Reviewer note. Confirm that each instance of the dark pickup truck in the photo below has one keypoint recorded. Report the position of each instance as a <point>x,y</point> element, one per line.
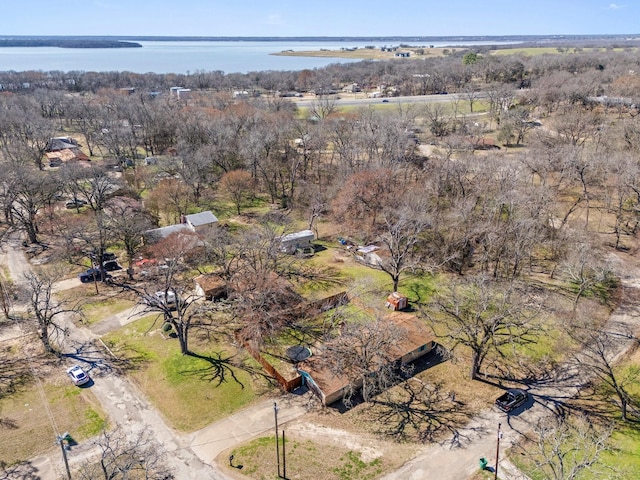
<point>511,399</point>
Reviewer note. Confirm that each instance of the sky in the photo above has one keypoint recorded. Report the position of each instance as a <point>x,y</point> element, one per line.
<point>286,18</point>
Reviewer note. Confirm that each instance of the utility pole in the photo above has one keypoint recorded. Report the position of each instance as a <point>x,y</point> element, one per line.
<point>284,458</point>
<point>495,476</point>
<point>275,411</point>
<point>60,440</point>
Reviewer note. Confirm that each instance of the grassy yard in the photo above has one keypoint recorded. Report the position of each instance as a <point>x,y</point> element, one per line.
<point>191,392</point>
<point>621,458</point>
<point>103,308</point>
<point>26,427</point>
<point>308,460</point>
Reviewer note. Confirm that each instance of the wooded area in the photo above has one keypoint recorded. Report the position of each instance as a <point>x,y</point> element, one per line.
<point>514,199</point>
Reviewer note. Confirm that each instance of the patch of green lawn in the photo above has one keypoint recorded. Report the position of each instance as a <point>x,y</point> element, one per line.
<point>621,458</point>
<point>190,391</point>
<point>307,459</point>
<point>29,430</point>
<point>103,308</point>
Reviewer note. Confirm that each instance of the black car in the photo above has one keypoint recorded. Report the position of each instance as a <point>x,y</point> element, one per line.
<point>106,256</point>
<point>75,203</point>
<point>94,274</point>
<point>511,399</point>
<point>111,265</point>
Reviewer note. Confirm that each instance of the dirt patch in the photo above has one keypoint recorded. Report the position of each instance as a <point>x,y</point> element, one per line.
<point>324,434</point>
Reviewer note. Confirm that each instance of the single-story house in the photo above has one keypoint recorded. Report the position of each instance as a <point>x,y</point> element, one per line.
<point>299,240</point>
<point>332,387</point>
<point>201,223</point>
<point>156,234</point>
<point>60,143</point>
<point>66,155</point>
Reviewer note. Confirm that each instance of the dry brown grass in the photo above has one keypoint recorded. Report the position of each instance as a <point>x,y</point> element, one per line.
<point>32,414</point>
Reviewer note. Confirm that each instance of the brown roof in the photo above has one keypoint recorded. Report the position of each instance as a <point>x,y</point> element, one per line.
<point>416,336</point>
<point>417,333</point>
<point>67,155</point>
<point>210,283</point>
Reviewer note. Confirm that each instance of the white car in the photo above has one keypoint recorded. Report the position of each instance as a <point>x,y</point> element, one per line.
<point>77,375</point>
<point>160,298</point>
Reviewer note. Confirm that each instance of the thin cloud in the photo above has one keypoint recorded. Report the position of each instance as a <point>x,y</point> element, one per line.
<point>615,6</point>
<point>274,19</point>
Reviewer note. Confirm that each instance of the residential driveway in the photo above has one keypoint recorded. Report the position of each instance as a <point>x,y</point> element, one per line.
<point>242,426</point>
<point>120,319</point>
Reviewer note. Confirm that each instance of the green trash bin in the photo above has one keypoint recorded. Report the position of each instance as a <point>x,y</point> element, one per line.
<point>483,463</point>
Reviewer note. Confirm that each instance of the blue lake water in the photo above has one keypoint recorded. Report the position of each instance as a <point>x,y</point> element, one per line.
<point>176,57</point>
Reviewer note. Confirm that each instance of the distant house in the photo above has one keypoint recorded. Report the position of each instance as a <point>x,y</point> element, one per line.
<point>292,242</point>
<point>66,155</point>
<point>332,387</point>
<point>202,223</point>
<point>61,143</point>
<point>183,93</point>
<point>369,255</point>
<point>156,234</point>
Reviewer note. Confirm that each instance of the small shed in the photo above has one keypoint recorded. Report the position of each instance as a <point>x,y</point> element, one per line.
<point>397,301</point>
<point>299,240</point>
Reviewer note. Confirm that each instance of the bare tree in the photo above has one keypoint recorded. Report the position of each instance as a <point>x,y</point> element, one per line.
<point>238,184</point>
<point>126,456</point>
<point>365,351</point>
<point>597,358</point>
<point>29,192</point>
<point>586,270</point>
<point>566,446</point>
<point>401,234</point>
<point>484,316</point>
<point>323,106</point>
<point>45,309</point>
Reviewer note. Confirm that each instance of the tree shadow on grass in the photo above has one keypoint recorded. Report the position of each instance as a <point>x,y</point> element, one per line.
<point>222,369</point>
<point>97,361</point>
<point>421,411</point>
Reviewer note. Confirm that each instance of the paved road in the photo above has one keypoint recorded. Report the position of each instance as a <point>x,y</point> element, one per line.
<point>119,397</point>
<point>455,458</point>
<point>354,102</point>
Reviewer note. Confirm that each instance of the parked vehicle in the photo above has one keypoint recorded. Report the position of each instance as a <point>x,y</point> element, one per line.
<point>160,298</point>
<point>94,274</point>
<point>75,203</point>
<point>111,265</point>
<point>78,375</point>
<point>511,399</point>
<point>106,256</point>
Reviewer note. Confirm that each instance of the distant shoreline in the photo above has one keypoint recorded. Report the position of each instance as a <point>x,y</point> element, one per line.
<point>63,42</point>
<point>385,38</point>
